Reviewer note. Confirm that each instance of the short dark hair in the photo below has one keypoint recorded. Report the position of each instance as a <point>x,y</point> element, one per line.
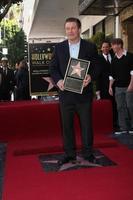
<point>117,41</point>
<point>106,41</point>
<point>24,63</point>
<point>74,19</point>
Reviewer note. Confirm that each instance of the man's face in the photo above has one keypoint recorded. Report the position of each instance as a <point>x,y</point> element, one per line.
<point>20,65</point>
<point>72,31</point>
<point>105,48</point>
<point>4,63</point>
<point>116,47</point>
<point>17,66</point>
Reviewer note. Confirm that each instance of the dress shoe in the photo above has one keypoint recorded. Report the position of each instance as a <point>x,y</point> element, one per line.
<point>131,131</point>
<point>67,160</point>
<point>91,158</point>
<point>121,132</point>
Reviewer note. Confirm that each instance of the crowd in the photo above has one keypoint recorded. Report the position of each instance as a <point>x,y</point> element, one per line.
<point>14,82</point>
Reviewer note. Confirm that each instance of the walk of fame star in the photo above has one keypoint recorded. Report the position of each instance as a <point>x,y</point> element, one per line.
<point>77,69</point>
<point>79,163</point>
<point>50,162</point>
<point>51,85</point>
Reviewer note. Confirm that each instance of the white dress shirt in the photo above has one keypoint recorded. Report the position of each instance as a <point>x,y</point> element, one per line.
<point>107,57</point>
<point>74,50</point>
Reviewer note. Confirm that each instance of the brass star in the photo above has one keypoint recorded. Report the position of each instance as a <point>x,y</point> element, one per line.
<point>51,85</point>
<point>77,69</point>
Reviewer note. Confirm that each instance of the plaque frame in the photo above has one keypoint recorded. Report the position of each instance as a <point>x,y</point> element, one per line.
<point>71,78</point>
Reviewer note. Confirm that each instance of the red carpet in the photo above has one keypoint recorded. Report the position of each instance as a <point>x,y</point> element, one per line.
<point>25,179</point>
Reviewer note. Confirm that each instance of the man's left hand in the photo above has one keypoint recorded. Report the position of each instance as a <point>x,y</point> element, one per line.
<point>87,80</point>
<point>130,88</point>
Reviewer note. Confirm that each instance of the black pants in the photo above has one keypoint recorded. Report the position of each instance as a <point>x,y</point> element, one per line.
<point>84,111</point>
<point>5,96</point>
<point>114,108</point>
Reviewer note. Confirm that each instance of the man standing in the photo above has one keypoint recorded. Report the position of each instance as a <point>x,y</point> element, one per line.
<point>70,102</point>
<point>7,81</point>
<point>122,76</point>
<point>22,82</point>
<point>102,83</point>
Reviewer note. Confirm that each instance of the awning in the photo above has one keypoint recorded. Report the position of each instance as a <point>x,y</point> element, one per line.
<point>102,7</point>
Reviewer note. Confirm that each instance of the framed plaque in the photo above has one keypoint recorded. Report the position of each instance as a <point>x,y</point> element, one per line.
<point>75,74</point>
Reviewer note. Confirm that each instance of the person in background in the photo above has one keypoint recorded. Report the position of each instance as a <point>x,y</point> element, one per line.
<point>6,81</point>
<point>1,75</point>
<point>122,76</point>
<point>15,79</point>
<point>102,83</point>
<point>16,67</point>
<point>22,81</point>
<point>0,64</point>
<point>70,102</point>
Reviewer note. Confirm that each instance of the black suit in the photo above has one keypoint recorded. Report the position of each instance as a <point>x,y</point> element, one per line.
<point>22,83</point>
<point>59,63</point>
<point>71,102</point>
<point>7,84</point>
<point>102,83</point>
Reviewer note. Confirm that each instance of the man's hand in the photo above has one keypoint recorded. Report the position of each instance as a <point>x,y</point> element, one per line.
<point>111,82</point>
<point>87,80</point>
<point>10,92</point>
<point>111,91</point>
<point>98,95</point>
<point>60,85</point>
<point>130,88</point>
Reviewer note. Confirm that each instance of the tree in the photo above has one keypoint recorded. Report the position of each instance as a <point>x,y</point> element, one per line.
<point>16,47</point>
<point>5,5</point>
<point>98,38</point>
<point>13,38</point>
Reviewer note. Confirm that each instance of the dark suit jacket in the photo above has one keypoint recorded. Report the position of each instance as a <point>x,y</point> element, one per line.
<point>59,64</point>
<point>102,82</point>
<point>7,84</point>
<point>22,83</point>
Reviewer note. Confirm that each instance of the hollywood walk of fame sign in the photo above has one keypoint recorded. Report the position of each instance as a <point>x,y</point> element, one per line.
<point>75,74</point>
<point>40,55</point>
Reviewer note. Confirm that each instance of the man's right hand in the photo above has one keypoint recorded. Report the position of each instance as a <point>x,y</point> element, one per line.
<point>98,95</point>
<point>60,85</point>
<point>111,91</point>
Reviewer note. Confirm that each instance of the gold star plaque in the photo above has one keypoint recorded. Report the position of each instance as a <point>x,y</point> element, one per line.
<point>76,72</point>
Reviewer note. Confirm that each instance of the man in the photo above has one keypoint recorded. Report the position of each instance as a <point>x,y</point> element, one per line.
<point>70,102</point>
<point>122,76</point>
<point>22,82</point>
<point>102,83</point>
<point>7,81</point>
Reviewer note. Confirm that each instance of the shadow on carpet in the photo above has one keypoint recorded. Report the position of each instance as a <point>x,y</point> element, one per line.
<point>50,162</point>
<point>125,139</point>
<point>2,164</point>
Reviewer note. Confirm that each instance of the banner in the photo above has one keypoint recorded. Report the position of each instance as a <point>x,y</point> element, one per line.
<point>40,55</point>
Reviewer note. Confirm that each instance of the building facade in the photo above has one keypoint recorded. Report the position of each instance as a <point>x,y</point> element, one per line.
<point>118,21</point>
